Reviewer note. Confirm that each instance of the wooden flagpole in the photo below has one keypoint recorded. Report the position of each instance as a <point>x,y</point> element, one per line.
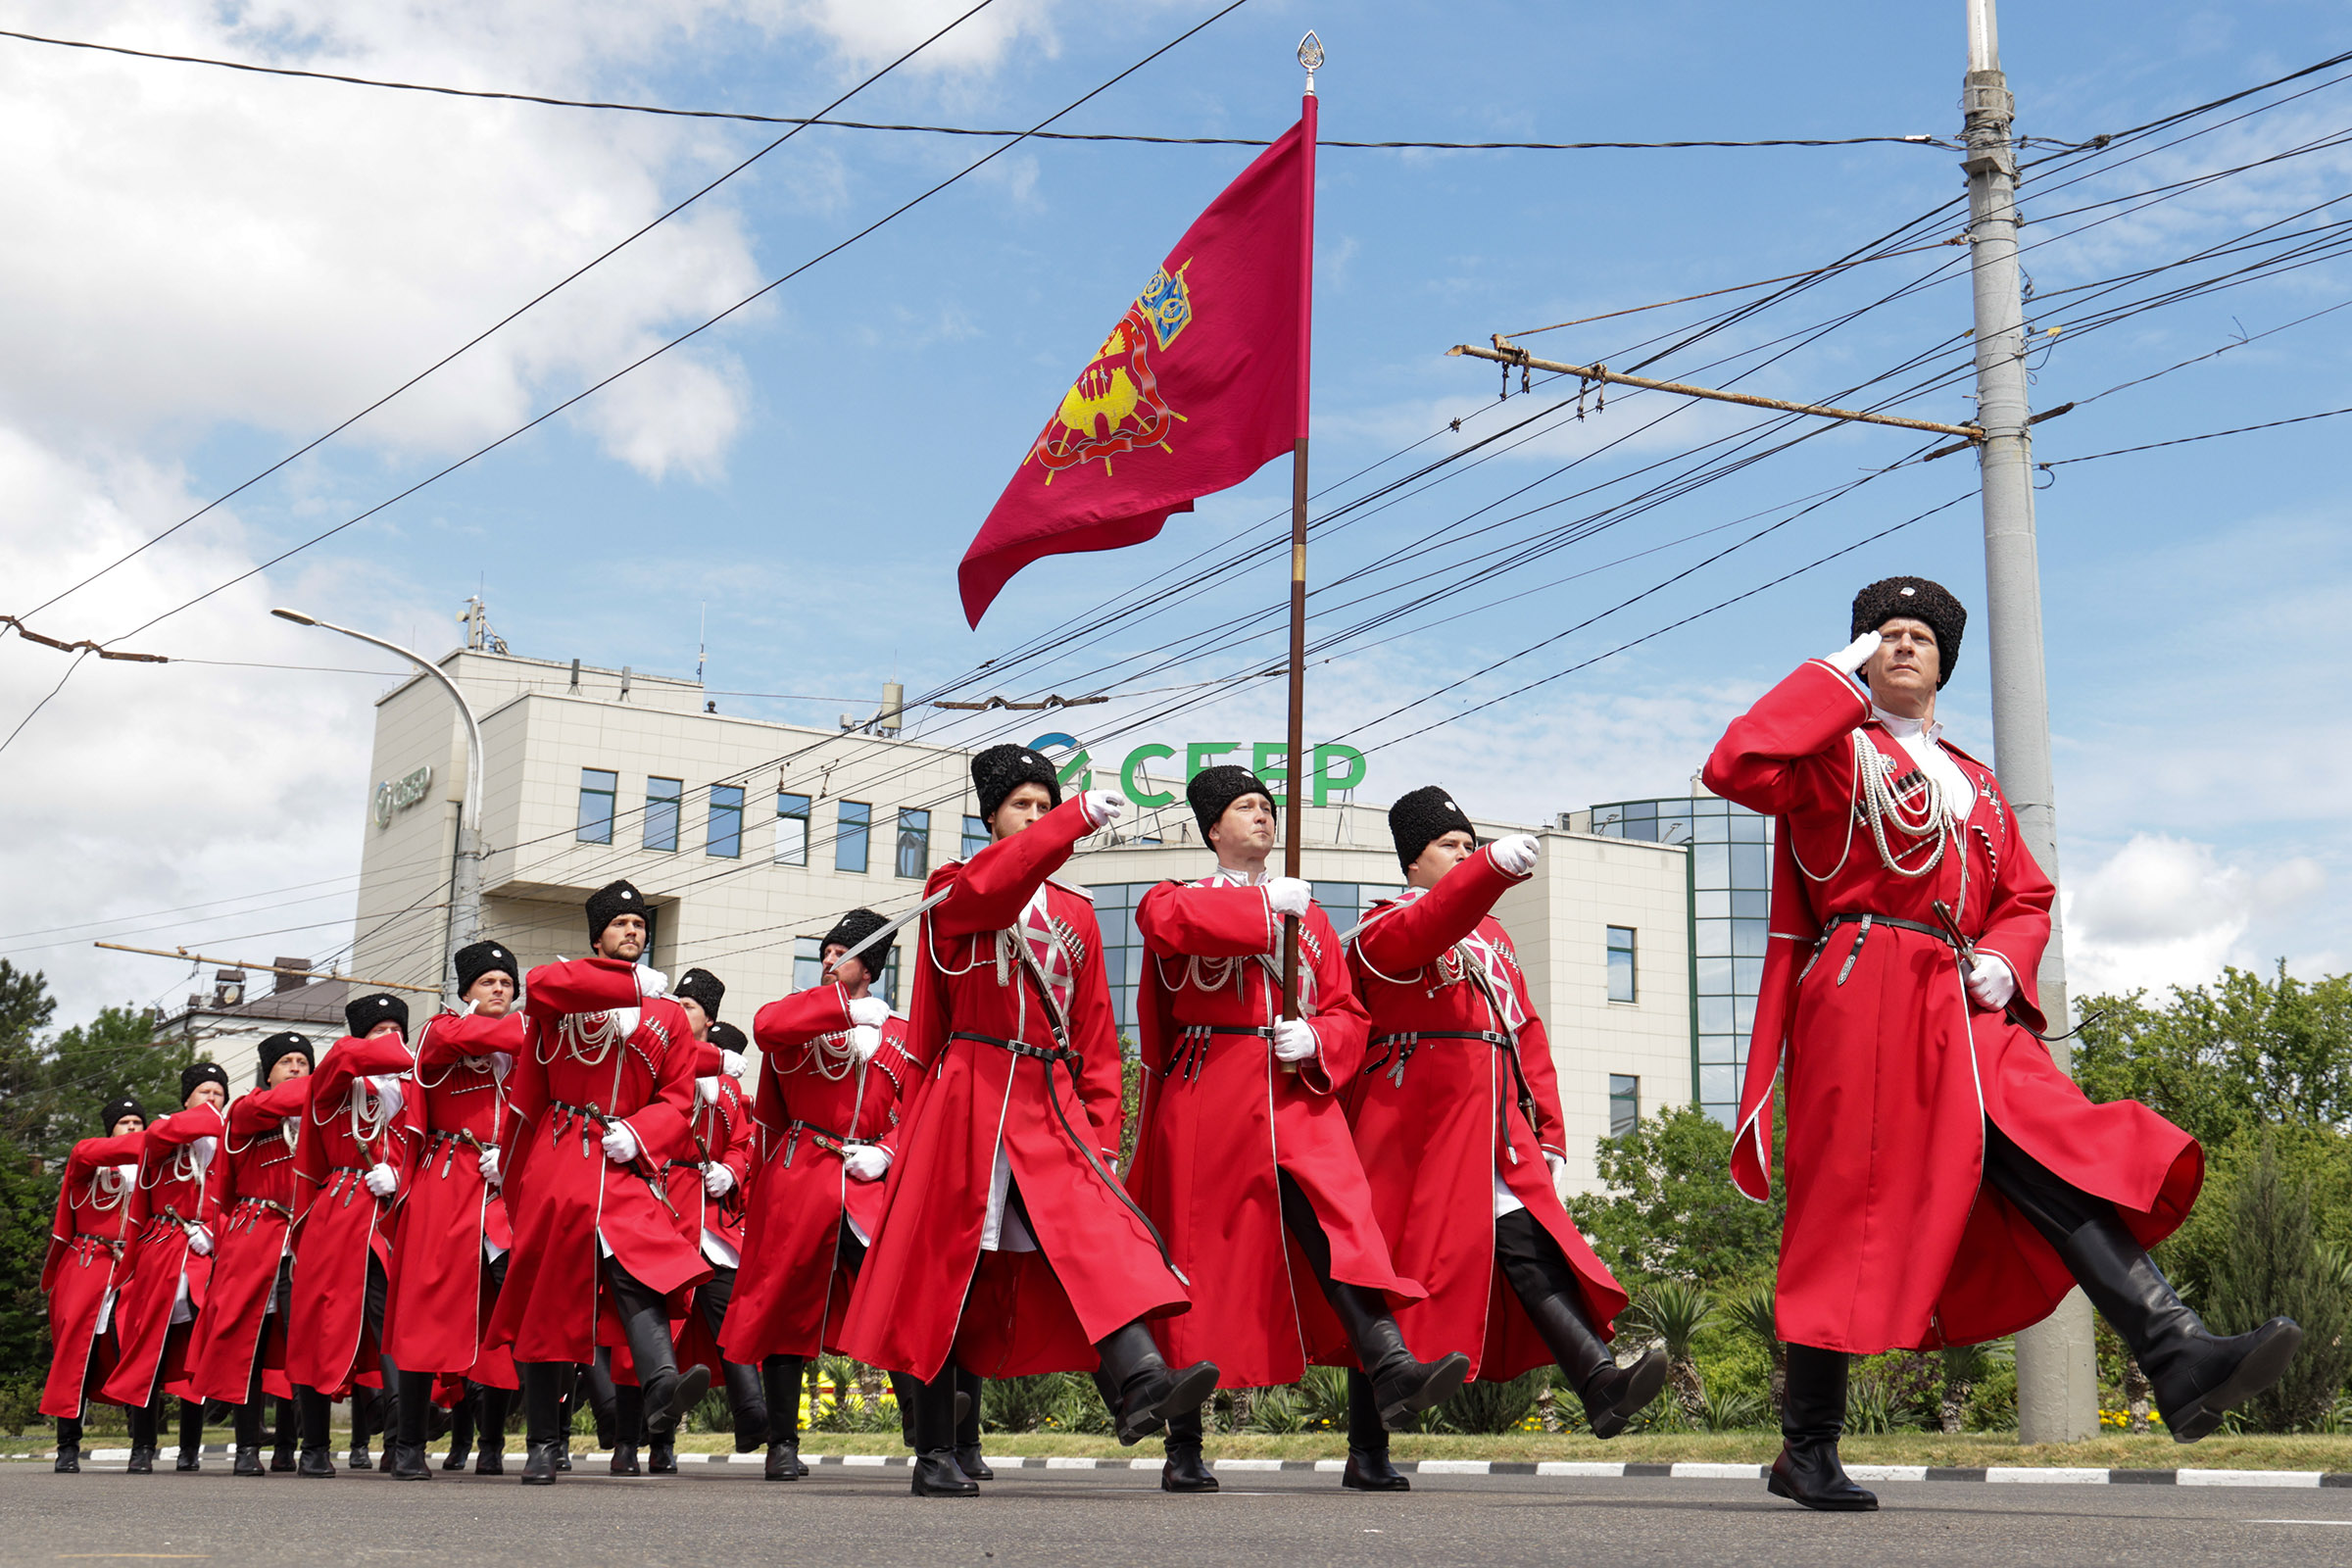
<point>1310,56</point>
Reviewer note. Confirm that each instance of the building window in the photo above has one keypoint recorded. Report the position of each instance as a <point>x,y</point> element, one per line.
<point>1621,964</point>
<point>1624,1104</point>
<point>850,836</point>
<point>808,962</point>
<point>598,787</point>
<point>975,836</point>
<point>792,831</point>
<point>726,822</point>
<point>662,797</point>
<point>915,843</point>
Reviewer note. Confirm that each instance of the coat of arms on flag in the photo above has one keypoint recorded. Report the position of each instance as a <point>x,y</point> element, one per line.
<point>1115,405</point>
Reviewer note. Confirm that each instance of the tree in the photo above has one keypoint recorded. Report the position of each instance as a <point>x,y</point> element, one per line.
<point>1671,1210</point>
<point>2272,1263</point>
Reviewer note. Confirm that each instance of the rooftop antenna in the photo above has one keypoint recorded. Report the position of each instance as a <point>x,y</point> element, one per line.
<point>701,642</point>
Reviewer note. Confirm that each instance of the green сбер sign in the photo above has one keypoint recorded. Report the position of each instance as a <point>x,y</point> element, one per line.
<point>1331,767</point>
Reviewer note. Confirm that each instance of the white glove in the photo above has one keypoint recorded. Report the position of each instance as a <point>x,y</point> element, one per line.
<point>865,1162</point>
<point>864,1043</point>
<point>1289,896</point>
<point>1104,808</point>
<point>718,1180</point>
<point>621,1143</point>
<point>1514,856</point>
<point>871,1012</point>
<point>705,1091</point>
<point>1854,655</point>
<point>487,1163</point>
<point>381,1179</point>
<point>651,983</point>
<point>734,1063</point>
<point>1293,1039</point>
<point>387,1088</point>
<point>1990,981</point>
<point>502,1062</point>
<point>1560,1174</point>
<point>200,1242</point>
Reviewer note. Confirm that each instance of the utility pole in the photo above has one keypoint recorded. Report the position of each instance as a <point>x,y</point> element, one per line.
<point>2057,1373</point>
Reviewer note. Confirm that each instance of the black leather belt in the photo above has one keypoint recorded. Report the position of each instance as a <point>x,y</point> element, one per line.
<point>1021,1048</point>
<point>1862,924</point>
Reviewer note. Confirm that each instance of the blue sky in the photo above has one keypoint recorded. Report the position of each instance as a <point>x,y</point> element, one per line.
<point>217,266</point>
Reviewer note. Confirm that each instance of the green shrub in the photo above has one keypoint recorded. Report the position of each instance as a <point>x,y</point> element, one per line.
<point>1992,1403</point>
<point>1488,1408</point>
<point>2271,1265</point>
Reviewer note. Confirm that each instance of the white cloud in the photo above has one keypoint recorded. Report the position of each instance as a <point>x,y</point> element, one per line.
<point>2166,912</point>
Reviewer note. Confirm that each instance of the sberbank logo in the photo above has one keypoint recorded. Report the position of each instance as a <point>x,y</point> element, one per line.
<point>1331,767</point>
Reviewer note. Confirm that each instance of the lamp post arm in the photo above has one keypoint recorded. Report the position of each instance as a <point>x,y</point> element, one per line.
<point>472,807</point>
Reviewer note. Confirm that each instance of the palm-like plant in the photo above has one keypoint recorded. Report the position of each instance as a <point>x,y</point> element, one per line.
<point>1672,1313</point>
<point>1967,1365</point>
<point>1751,1309</point>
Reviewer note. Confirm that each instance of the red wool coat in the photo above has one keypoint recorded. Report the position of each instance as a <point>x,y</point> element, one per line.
<point>338,1224</point>
<point>1219,1118</point>
<point>928,1286</point>
<point>725,1133</point>
<point>175,1175</point>
<point>790,1294</point>
<point>595,1054</point>
<point>1440,1121</point>
<point>99,1210</point>
<point>258,1191</point>
<point>439,1304</point>
<point>1891,1239</point>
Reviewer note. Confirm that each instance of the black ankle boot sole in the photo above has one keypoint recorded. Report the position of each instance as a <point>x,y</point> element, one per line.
<point>1186,1471</point>
<point>935,1476</point>
<point>2265,1363</point>
<point>1852,1499</point>
<point>1369,1472</point>
<point>1442,1381</point>
<point>1644,1381</point>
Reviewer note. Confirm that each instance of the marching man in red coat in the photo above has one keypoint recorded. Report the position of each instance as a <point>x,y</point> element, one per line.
<point>601,1096</point>
<point>1244,1156</point>
<point>1008,1244</point>
<point>451,1250</point>
<point>239,1355</point>
<point>1457,1114</point>
<point>833,1063</point>
<point>171,1263</point>
<point>1947,1183</point>
<point>98,1214</point>
<point>352,1155</point>
<point>707,1190</point>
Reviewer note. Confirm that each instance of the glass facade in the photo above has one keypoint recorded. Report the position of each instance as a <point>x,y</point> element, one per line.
<point>852,828</point>
<point>915,843</point>
<point>598,785</point>
<point>792,830</point>
<point>976,837</point>
<point>1624,1104</point>
<point>1344,903</point>
<point>1731,898</point>
<point>663,799</point>
<point>1621,964</point>
<point>724,839</point>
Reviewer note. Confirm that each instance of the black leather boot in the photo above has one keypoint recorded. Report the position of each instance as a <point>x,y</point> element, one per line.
<point>142,1440</point>
<point>1546,1286</point>
<point>572,1384</point>
<point>1401,1385</point>
<point>317,1440</point>
<point>191,1436</point>
<point>907,1391</point>
<point>967,1427</point>
<point>491,1418</point>
<point>629,1406</point>
<point>461,1429</point>
<point>936,1474</point>
<point>1812,1420</point>
<point>542,1419</point>
<point>247,1421</point>
<point>644,1318</point>
<point>365,1407</point>
<point>68,1445</point>
<point>1185,1470</point>
<point>781,1377</point>
<point>661,1458</point>
<point>2198,1376</point>
<point>1368,1467</point>
<point>405,1453</point>
<point>285,1439</point>
<point>1149,1389</point>
<point>748,1402</point>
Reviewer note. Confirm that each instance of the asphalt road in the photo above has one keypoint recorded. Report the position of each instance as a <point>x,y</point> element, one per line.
<point>1111,1519</point>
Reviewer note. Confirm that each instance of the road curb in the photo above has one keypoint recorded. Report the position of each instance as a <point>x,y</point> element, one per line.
<point>1560,1469</point>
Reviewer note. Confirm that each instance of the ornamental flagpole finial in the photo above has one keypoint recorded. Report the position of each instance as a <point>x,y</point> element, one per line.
<point>1310,55</point>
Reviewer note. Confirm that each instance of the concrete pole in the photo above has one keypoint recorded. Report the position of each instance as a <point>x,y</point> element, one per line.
<point>466,869</point>
<point>2057,1373</point>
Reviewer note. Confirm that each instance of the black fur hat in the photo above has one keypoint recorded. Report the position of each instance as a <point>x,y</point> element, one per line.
<point>288,1043</point>
<point>1916,599</point>
<point>1213,788</point>
<point>706,988</point>
<point>1422,817</point>
<point>481,958</point>
<point>855,927</point>
<point>114,1110</point>
<point>202,1073</point>
<point>1000,770</point>
<point>726,1036</point>
<point>365,1013</point>
<point>609,903</point>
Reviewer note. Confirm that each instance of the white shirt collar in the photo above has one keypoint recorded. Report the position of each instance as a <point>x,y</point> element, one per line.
<point>1902,728</point>
<point>1232,877</point>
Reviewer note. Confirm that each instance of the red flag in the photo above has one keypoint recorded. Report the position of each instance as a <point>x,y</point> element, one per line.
<point>1198,386</point>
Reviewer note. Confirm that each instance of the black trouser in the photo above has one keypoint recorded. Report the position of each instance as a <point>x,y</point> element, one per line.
<point>483,1405</point>
<point>644,1314</point>
<point>710,1298</point>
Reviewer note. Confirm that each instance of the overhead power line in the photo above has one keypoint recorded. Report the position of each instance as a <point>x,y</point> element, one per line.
<point>2184,440</point>
<point>940,130</point>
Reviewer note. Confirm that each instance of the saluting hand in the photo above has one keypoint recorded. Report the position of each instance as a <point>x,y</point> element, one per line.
<point>1514,856</point>
<point>1854,655</point>
<point>1104,807</point>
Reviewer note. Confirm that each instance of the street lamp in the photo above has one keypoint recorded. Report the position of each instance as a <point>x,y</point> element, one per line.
<point>465,875</point>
